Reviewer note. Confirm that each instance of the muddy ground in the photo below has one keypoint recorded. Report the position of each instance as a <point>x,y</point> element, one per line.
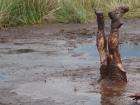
<point>59,65</point>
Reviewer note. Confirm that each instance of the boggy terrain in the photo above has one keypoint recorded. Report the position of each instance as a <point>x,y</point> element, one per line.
<point>59,65</point>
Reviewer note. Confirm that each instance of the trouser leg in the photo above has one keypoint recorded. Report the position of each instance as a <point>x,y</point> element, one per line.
<point>101,39</point>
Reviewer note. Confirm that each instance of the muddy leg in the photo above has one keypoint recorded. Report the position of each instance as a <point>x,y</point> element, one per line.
<point>113,40</point>
<point>101,44</point>
<point>100,39</point>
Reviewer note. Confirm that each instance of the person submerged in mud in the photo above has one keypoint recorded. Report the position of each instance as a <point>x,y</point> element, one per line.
<point>110,59</point>
<point>111,67</point>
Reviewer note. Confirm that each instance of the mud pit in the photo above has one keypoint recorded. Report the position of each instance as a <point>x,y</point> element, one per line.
<point>59,65</point>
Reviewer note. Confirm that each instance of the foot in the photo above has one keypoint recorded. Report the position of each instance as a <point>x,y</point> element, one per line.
<point>100,19</point>
<point>116,16</point>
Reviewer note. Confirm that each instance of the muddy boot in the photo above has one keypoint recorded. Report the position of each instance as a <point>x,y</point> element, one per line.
<point>116,17</point>
<point>115,65</point>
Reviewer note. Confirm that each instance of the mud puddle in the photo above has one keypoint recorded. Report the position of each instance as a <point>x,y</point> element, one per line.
<point>80,90</point>
<point>127,49</point>
<point>50,67</point>
<point>61,90</point>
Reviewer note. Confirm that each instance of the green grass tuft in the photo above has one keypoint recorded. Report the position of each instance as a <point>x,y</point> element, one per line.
<point>15,12</point>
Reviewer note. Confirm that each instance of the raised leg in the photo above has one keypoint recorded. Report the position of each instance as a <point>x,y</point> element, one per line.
<point>101,43</point>
<point>113,40</point>
<point>100,39</point>
<point>111,65</point>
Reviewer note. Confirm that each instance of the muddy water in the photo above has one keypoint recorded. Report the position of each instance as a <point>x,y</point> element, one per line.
<point>61,90</point>
<point>3,77</point>
<point>127,49</point>
<point>58,66</point>
<point>78,91</point>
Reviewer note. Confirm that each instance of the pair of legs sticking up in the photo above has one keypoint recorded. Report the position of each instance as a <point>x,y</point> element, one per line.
<point>110,59</point>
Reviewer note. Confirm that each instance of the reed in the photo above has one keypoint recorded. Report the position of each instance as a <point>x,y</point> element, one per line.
<point>15,12</point>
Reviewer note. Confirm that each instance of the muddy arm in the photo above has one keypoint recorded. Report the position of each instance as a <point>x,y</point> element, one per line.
<point>100,39</point>
<point>113,40</point>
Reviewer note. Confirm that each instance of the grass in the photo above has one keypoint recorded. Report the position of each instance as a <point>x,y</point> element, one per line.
<point>5,8</point>
<point>33,11</point>
<point>13,12</point>
<point>17,12</point>
<point>78,11</point>
<point>134,6</point>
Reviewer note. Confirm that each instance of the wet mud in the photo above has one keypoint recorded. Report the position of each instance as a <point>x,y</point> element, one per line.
<point>59,65</point>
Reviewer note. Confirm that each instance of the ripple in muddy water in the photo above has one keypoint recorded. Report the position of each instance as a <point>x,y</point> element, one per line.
<point>63,90</point>
<point>60,90</point>
<point>128,49</point>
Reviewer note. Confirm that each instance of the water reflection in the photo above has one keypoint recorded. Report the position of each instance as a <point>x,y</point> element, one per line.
<point>112,93</point>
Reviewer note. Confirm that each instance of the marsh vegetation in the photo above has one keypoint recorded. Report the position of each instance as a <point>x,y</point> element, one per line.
<point>15,12</point>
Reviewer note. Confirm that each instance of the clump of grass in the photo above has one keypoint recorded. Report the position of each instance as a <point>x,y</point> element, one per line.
<point>134,6</point>
<point>82,11</point>
<point>26,11</point>
<point>5,8</point>
<point>14,12</point>
<point>33,11</point>
<point>134,9</point>
<point>79,11</point>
